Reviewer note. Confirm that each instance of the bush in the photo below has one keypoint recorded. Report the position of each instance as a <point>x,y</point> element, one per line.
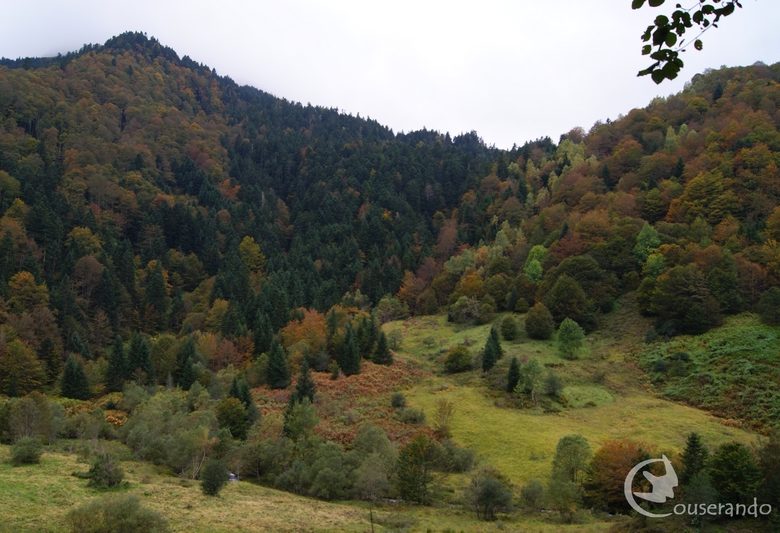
<point>411,416</point>
<point>115,514</point>
<point>458,360</point>
<point>509,328</point>
<point>454,458</point>
<point>532,495</point>
<point>539,322</point>
<point>398,400</point>
<point>105,472</point>
<point>213,477</point>
<point>769,306</point>
<point>26,451</point>
<point>489,492</point>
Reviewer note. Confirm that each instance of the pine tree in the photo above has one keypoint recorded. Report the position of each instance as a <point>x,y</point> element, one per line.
<point>492,351</point>
<point>383,356</point>
<point>240,390</point>
<point>116,371</point>
<point>513,376</point>
<point>74,380</point>
<point>278,373</point>
<point>263,334</point>
<point>497,342</point>
<point>305,387</point>
<point>184,375</point>
<point>349,356</point>
<point>694,458</point>
<point>51,358</point>
<point>139,362</point>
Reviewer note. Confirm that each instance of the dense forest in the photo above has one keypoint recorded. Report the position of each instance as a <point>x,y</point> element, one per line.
<point>162,225</point>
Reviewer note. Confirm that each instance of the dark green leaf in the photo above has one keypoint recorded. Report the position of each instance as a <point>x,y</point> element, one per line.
<point>656,3</point>
<point>697,44</point>
<point>671,39</point>
<point>636,4</point>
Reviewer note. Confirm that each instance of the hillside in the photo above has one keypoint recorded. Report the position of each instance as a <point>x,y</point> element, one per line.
<point>198,274</point>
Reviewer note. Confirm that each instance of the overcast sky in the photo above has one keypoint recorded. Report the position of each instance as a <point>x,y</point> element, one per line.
<point>511,70</point>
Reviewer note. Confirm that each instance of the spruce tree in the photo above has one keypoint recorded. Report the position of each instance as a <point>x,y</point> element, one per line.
<point>74,380</point>
<point>263,334</point>
<point>185,357</point>
<point>489,356</point>
<point>693,458</point>
<point>382,356</point>
<point>349,355</point>
<point>239,389</point>
<point>497,342</point>
<point>492,351</point>
<point>513,376</point>
<point>278,373</point>
<point>115,372</point>
<point>139,361</point>
<point>305,387</point>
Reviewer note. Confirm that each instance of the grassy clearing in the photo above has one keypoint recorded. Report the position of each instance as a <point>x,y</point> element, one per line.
<point>38,497</point>
<point>733,370</point>
<point>608,396</point>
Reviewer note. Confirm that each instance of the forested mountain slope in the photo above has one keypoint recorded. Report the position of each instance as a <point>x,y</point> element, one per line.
<point>143,194</point>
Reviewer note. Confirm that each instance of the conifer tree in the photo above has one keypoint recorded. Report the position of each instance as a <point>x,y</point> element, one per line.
<point>570,337</point>
<point>239,389</point>
<point>383,356</point>
<point>263,334</point>
<point>305,387</point>
<point>349,355</point>
<point>278,373</point>
<point>139,361</point>
<point>492,351</point>
<point>693,458</point>
<point>513,376</point>
<point>185,358</point>
<point>116,370</point>
<point>74,380</point>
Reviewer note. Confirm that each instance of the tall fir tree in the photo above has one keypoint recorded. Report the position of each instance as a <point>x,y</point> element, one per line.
<point>263,334</point>
<point>349,355</point>
<point>495,339</point>
<point>694,458</point>
<point>184,374</point>
<point>278,372</point>
<point>117,367</point>
<point>382,355</point>
<point>513,376</point>
<point>239,389</point>
<point>74,380</point>
<point>305,387</point>
<point>492,351</point>
<point>139,361</point>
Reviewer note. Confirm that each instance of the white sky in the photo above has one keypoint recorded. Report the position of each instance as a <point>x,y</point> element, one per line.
<point>511,70</point>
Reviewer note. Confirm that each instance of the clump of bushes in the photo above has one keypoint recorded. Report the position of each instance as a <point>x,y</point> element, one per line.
<point>411,416</point>
<point>458,360</point>
<point>115,513</point>
<point>26,451</point>
<point>509,329</point>
<point>398,400</point>
<point>105,472</point>
<point>539,322</point>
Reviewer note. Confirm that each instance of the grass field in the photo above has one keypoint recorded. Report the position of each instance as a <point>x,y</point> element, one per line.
<point>38,497</point>
<point>609,397</point>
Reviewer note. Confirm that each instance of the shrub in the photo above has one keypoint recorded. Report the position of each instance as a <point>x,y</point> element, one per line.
<point>532,495</point>
<point>413,469</point>
<point>489,492</point>
<point>398,400</point>
<point>213,477</point>
<point>26,451</point>
<point>458,360</point>
<point>105,472</point>
<point>769,306</point>
<point>539,322</point>
<point>454,458</point>
<point>570,337</point>
<point>509,328</point>
<point>411,416</point>
<point>115,514</point>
